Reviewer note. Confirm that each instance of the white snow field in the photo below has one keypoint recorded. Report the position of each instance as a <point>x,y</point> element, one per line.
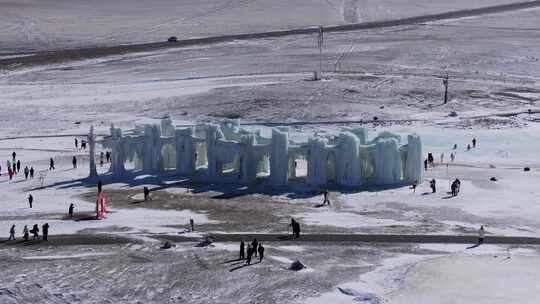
<point>392,74</point>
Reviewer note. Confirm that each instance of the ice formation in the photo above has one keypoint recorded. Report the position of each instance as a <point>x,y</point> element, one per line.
<point>232,154</point>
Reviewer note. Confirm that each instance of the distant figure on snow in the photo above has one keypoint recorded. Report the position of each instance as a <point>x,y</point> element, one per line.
<point>76,143</point>
<point>413,187</point>
<point>455,147</point>
<point>442,157</point>
<point>74,162</point>
<point>249,255</point>
<point>255,245</point>
<point>325,198</point>
<point>192,224</point>
<point>108,156</point>
<point>31,172</point>
<point>433,185</point>
<point>296,229</point>
<point>26,172</point>
<point>242,253</point>
<point>452,157</point>
<point>481,235</point>
<point>10,173</point>
<point>25,233</point>
<point>146,193</point>
<point>30,200</point>
<point>101,155</point>
<point>18,166</point>
<point>425,164</point>
<point>70,210</point>
<point>14,155</point>
<point>261,252</point>
<point>12,233</point>
<point>474,142</point>
<point>35,232</point>
<point>292,224</point>
<point>51,164</point>
<point>45,231</point>
<point>468,147</point>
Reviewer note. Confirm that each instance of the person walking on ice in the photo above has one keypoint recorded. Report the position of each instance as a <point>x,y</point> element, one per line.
<point>26,172</point>
<point>325,198</point>
<point>74,162</point>
<point>76,143</point>
<point>51,164</point>
<point>146,193</point>
<point>12,233</point>
<point>30,200</point>
<point>14,155</point>
<point>70,210</point>
<point>35,232</point>
<point>474,142</point>
<point>481,235</point>
<point>31,172</point>
<point>25,233</point>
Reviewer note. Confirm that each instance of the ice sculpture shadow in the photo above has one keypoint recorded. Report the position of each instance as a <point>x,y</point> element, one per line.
<point>137,179</point>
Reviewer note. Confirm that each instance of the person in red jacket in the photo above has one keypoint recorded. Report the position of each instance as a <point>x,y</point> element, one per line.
<point>10,173</point>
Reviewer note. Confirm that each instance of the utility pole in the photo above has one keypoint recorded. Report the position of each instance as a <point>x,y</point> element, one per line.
<point>320,42</point>
<point>445,83</point>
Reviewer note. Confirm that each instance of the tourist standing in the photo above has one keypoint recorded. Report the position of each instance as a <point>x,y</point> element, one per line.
<point>249,255</point>
<point>26,172</point>
<point>31,172</point>
<point>255,245</point>
<point>30,200</point>
<point>76,143</point>
<point>51,164</point>
<point>18,166</point>
<point>70,210</point>
<point>74,162</point>
<point>261,252</point>
<point>481,235</point>
<point>242,246</point>
<point>45,230</point>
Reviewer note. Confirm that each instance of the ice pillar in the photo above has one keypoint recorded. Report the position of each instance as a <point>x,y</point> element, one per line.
<point>387,161</point>
<point>185,152</point>
<point>279,158</point>
<point>413,170</point>
<point>152,148</point>
<point>317,161</point>
<point>92,156</point>
<point>247,167</point>
<point>348,168</point>
<point>211,151</point>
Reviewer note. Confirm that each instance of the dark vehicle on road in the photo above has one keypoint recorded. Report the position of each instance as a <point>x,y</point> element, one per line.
<point>172,39</point>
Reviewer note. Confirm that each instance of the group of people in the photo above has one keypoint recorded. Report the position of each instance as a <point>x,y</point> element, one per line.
<point>34,231</point>
<point>14,167</point>
<point>252,250</point>
<point>430,161</point>
<point>107,155</point>
<point>83,144</point>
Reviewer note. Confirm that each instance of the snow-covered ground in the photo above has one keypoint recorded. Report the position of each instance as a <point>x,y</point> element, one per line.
<point>393,74</point>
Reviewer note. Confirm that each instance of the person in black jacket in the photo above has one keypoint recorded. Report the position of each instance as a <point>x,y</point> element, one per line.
<point>261,252</point>
<point>45,228</point>
<point>242,251</point>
